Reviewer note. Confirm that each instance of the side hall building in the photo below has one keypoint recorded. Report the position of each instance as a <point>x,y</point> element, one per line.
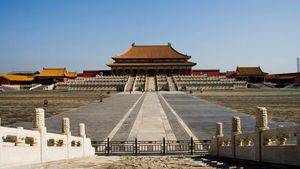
<point>151,60</point>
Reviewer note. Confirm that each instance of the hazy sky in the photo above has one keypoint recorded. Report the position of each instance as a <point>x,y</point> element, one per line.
<point>86,34</point>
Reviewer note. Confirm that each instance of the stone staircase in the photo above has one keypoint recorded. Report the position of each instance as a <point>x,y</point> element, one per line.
<point>129,84</point>
<point>150,84</point>
<point>172,85</point>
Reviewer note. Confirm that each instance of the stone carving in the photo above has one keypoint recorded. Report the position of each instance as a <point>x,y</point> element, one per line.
<point>219,129</point>
<point>66,126</point>
<point>236,125</point>
<point>283,138</point>
<point>20,138</point>
<point>82,130</point>
<point>262,119</point>
<point>277,145</point>
<point>39,120</point>
<point>12,138</point>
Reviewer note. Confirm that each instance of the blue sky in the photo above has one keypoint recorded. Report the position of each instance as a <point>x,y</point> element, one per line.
<point>85,34</point>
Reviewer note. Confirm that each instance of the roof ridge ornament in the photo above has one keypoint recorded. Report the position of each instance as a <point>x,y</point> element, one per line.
<point>133,44</point>
<point>169,44</point>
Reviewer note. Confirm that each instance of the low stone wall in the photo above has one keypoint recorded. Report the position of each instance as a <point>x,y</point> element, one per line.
<point>19,146</point>
<point>281,145</point>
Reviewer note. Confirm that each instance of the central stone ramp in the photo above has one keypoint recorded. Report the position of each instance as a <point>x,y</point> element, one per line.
<point>150,84</point>
<point>151,123</point>
<point>172,85</point>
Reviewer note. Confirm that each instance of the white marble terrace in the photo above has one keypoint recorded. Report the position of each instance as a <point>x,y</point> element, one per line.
<point>21,147</point>
<point>281,145</point>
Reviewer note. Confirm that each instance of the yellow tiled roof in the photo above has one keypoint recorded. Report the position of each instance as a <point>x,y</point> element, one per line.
<point>72,74</point>
<point>53,72</point>
<point>17,77</point>
<point>151,52</point>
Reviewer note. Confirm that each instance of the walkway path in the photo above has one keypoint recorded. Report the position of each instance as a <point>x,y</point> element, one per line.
<point>151,123</point>
<point>149,117</point>
<point>100,118</point>
<point>201,116</point>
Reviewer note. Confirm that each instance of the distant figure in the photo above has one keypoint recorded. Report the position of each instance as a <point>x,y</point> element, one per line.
<point>45,102</point>
<point>101,97</point>
<point>201,90</point>
<point>108,92</point>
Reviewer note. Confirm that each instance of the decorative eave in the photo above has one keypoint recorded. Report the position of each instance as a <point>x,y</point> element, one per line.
<point>249,71</point>
<point>20,78</point>
<point>149,64</point>
<point>151,52</point>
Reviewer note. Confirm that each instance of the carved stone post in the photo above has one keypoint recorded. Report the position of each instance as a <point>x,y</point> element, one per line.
<point>261,125</point>
<point>39,121</point>
<point>262,119</point>
<point>82,130</point>
<point>66,131</point>
<point>236,125</point>
<point>219,135</point>
<point>84,139</point>
<point>39,125</point>
<point>219,129</point>
<point>235,130</point>
<point>66,126</point>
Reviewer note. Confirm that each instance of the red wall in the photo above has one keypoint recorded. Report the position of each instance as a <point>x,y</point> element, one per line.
<point>208,72</point>
<point>93,73</point>
<point>4,81</point>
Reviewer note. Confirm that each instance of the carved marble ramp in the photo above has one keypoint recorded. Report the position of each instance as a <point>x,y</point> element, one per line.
<point>151,123</point>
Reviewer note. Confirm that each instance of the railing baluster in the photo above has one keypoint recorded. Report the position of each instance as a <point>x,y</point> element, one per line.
<point>108,146</point>
<point>136,146</point>
<point>164,146</point>
<point>192,145</point>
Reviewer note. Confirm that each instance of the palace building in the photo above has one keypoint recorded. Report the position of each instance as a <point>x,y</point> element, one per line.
<point>151,60</point>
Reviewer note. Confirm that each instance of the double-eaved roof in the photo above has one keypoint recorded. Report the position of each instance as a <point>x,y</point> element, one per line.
<point>151,55</point>
<point>151,52</point>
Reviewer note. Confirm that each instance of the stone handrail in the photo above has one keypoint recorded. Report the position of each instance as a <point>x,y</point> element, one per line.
<point>280,145</point>
<point>20,147</point>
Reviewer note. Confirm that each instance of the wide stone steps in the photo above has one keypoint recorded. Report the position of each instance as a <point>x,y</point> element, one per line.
<point>172,86</point>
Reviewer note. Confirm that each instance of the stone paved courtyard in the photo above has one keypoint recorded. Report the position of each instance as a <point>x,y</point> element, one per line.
<point>150,116</point>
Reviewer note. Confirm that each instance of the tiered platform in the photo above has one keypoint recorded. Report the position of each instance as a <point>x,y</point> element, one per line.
<point>184,82</point>
<point>158,83</point>
<point>102,83</point>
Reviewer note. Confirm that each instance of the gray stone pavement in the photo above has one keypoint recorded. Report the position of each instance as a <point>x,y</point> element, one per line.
<point>151,123</point>
<point>99,118</point>
<point>200,115</point>
<point>123,133</point>
<point>177,128</point>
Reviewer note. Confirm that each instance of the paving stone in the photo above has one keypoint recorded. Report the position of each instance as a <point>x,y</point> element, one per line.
<point>178,130</point>
<point>200,115</point>
<point>99,118</point>
<point>123,133</point>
